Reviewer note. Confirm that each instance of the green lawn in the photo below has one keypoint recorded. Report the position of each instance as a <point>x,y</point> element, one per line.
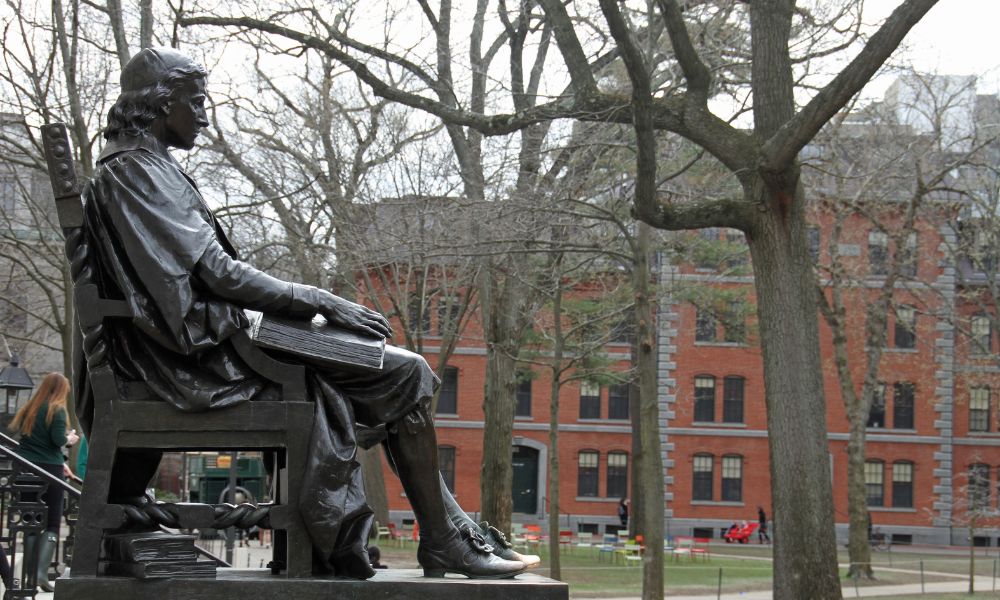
<point>744,568</point>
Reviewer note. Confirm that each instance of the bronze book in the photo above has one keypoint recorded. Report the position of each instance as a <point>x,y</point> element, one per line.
<point>316,340</point>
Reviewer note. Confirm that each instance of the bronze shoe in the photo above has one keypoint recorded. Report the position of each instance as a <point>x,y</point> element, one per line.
<point>467,553</point>
<point>504,549</point>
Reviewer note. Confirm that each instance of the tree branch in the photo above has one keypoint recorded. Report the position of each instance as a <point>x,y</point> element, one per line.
<point>785,144</point>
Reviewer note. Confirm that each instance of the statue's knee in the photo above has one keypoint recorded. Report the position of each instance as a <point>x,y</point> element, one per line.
<point>415,421</point>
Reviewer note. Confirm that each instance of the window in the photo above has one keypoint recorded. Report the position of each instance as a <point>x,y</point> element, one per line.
<point>704,398</point>
<point>618,401</point>
<point>732,400</point>
<point>8,194</point>
<point>448,392</point>
<point>419,315</point>
<point>449,309</point>
<point>982,335</point>
<point>735,324</point>
<point>814,241</point>
<point>878,253</point>
<point>523,408</point>
<point>905,333</point>
<point>902,405</point>
<point>979,487</point>
<point>874,487</point>
<point>876,413</point>
<point>586,480</point>
<point>979,409</point>
<point>446,463</point>
<point>902,484</point>
<point>732,478</point>
<point>621,332</point>
<point>702,477</point>
<point>590,400</point>
<point>704,327</point>
<point>617,475</point>
<point>908,264</point>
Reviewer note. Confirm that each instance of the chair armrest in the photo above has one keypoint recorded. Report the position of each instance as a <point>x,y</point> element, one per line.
<point>291,377</point>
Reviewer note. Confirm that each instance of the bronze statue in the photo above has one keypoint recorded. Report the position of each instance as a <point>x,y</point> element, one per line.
<point>160,248</point>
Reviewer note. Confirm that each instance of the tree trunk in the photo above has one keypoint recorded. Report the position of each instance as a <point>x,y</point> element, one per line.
<point>555,568</point>
<point>859,548</point>
<point>636,509</point>
<point>498,404</point>
<point>804,539</point>
<point>375,494</point>
<point>652,498</point>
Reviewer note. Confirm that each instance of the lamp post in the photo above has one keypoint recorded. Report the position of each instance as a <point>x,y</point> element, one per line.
<point>15,387</point>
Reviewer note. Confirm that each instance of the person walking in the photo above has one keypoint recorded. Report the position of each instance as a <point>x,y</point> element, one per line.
<point>42,425</point>
<point>762,529</point>
<point>623,512</point>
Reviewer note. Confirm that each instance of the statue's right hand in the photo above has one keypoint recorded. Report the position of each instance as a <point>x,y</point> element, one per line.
<point>349,315</point>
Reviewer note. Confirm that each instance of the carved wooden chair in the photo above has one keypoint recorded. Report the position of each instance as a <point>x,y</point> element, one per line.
<point>126,416</point>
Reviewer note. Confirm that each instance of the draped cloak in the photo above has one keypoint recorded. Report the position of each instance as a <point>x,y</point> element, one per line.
<point>147,227</point>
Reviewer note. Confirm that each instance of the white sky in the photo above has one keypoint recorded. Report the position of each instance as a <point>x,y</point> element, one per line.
<point>957,37</point>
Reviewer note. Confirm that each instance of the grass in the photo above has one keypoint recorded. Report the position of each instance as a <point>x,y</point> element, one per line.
<point>744,568</point>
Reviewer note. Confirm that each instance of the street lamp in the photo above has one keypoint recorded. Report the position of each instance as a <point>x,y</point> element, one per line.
<point>14,379</point>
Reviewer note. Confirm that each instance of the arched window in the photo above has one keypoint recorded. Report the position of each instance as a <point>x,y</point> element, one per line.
<point>446,463</point>
<point>586,477</point>
<point>979,409</point>
<point>982,335</point>
<point>979,487</point>
<point>702,475</point>
<point>875,482</point>
<point>732,399</point>
<point>617,480</point>
<point>448,394</point>
<point>902,484</point>
<point>704,398</point>
<point>905,332</point>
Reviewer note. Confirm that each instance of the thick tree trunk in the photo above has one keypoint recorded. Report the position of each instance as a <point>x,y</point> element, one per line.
<point>652,498</point>
<point>804,542</point>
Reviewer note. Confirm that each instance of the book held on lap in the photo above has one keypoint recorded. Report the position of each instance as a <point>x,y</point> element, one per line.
<point>316,340</point>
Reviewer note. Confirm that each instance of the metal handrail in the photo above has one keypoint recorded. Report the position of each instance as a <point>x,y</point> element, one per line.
<point>11,444</point>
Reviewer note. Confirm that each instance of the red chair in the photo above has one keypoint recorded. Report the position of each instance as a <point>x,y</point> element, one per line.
<point>395,535</point>
<point>566,540</point>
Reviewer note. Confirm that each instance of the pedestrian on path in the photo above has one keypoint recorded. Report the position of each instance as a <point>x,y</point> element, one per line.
<point>42,425</point>
<point>762,529</point>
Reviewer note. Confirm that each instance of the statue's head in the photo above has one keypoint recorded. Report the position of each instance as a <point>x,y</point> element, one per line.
<point>164,91</point>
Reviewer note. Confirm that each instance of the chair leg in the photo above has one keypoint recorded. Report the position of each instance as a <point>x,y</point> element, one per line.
<point>87,544</point>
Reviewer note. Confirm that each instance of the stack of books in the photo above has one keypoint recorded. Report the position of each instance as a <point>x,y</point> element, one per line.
<point>153,555</point>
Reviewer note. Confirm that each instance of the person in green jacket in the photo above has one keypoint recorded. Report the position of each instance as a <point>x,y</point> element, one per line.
<point>42,425</point>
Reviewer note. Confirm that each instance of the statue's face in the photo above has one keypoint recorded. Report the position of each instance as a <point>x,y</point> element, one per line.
<point>186,114</point>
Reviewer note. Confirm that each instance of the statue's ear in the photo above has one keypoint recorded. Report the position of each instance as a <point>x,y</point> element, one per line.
<point>165,109</point>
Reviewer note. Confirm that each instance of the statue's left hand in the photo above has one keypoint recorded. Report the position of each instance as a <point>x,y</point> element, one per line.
<point>353,316</point>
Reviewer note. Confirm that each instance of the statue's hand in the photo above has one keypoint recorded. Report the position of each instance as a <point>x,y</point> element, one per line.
<point>349,315</point>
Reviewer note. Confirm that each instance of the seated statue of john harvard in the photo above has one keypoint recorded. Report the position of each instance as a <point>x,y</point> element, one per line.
<point>158,246</point>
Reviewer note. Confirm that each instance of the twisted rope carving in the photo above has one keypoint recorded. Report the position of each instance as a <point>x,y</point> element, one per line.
<point>242,516</point>
<point>95,348</point>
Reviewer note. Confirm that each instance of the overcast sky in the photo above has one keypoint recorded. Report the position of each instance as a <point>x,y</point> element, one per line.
<point>957,37</point>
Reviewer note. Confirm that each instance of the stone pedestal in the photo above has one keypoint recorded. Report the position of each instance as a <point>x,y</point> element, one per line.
<point>259,584</point>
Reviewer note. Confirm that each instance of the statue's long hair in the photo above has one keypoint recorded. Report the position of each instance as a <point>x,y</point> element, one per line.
<point>134,111</point>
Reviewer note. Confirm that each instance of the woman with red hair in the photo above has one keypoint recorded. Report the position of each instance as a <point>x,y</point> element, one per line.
<point>42,425</point>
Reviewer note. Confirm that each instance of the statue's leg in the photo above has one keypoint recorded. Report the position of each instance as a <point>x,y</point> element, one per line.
<point>501,547</point>
<point>412,445</point>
